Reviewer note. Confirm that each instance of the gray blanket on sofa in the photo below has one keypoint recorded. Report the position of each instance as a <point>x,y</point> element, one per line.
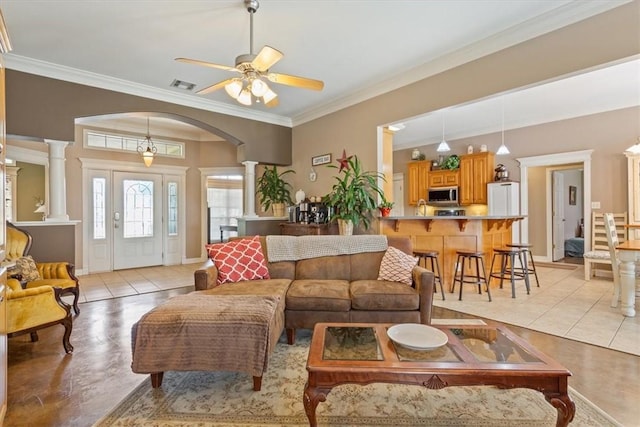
<point>293,248</point>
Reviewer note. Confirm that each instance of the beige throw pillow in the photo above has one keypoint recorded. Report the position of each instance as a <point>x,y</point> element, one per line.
<point>396,266</point>
<point>26,267</point>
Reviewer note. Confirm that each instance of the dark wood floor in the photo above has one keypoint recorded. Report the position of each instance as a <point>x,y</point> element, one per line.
<point>48,388</point>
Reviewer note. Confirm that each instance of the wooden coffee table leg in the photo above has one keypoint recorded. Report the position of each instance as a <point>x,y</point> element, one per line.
<point>312,396</point>
<point>564,405</point>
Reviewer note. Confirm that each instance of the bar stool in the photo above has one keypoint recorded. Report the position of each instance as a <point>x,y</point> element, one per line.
<point>507,267</point>
<point>432,256</point>
<point>477,279</point>
<point>525,248</point>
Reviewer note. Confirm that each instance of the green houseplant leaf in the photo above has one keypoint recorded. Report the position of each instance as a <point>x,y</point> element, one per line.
<point>354,193</point>
<point>272,188</point>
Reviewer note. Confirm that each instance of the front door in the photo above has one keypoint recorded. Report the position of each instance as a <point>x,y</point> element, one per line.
<point>137,220</point>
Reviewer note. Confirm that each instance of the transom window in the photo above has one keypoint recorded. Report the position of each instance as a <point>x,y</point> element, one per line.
<point>118,142</point>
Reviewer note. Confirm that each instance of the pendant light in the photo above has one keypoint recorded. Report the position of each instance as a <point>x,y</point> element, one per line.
<point>502,150</point>
<point>443,146</point>
<point>150,150</point>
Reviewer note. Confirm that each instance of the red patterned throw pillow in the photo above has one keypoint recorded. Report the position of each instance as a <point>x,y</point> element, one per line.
<point>239,260</point>
<point>396,266</point>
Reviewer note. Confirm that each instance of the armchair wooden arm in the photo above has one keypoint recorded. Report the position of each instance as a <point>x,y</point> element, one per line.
<point>423,281</point>
<point>58,275</point>
<point>29,310</point>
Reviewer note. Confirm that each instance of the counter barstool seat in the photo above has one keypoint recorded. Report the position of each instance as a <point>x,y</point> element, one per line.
<point>478,278</point>
<point>425,256</point>
<point>507,258</point>
<point>525,248</point>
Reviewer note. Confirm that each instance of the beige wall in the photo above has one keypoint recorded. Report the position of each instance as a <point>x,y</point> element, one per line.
<point>40,107</point>
<point>608,134</point>
<point>31,183</point>
<point>44,108</point>
<point>562,52</point>
<point>608,37</point>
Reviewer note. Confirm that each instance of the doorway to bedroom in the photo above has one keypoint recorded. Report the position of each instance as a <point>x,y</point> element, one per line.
<point>568,214</point>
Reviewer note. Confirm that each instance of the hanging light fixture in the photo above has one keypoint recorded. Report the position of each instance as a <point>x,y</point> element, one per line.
<point>251,85</point>
<point>150,150</point>
<point>502,150</point>
<point>443,146</point>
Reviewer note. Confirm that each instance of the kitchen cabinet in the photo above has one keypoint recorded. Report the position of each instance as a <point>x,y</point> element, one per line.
<point>476,171</point>
<point>444,178</point>
<point>417,173</point>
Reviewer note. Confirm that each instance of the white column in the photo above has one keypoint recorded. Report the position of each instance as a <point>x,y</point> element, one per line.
<point>57,185</point>
<point>250,189</point>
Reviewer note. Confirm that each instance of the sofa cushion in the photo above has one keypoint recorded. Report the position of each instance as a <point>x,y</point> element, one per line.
<point>318,295</point>
<point>327,268</point>
<point>239,260</point>
<point>396,266</point>
<point>366,266</point>
<point>383,295</point>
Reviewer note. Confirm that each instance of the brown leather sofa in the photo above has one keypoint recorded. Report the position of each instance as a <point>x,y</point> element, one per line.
<point>341,288</point>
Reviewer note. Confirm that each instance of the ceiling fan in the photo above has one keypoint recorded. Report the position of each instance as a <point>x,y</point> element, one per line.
<point>254,70</point>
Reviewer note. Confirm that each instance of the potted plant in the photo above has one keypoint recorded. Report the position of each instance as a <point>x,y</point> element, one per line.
<point>353,197</point>
<point>385,207</point>
<point>274,190</point>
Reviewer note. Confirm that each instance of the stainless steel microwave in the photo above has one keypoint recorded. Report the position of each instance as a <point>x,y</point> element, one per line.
<point>443,196</point>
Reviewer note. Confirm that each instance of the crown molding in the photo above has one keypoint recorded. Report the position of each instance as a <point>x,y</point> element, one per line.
<point>557,18</point>
<point>560,17</point>
<point>73,75</point>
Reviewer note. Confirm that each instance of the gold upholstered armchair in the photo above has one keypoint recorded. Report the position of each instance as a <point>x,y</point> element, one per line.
<point>33,274</point>
<point>29,310</point>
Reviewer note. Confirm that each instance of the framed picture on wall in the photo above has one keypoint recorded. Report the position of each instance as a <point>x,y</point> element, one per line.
<point>321,160</point>
<point>572,194</point>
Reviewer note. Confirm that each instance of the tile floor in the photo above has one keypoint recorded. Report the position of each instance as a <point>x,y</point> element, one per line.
<point>46,387</point>
<point>122,283</point>
<point>564,305</point>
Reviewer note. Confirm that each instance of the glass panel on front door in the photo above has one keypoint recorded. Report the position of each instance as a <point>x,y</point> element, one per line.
<point>138,208</point>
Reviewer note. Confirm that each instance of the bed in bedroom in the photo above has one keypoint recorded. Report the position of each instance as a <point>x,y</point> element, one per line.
<point>574,247</point>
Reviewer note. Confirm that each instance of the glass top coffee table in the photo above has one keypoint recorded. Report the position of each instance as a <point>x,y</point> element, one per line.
<point>490,354</point>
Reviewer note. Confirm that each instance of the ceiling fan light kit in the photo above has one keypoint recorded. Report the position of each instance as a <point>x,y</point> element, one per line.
<point>254,70</point>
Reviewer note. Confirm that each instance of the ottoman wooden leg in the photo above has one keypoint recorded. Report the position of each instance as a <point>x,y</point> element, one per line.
<point>156,379</point>
<point>257,383</point>
<point>291,336</point>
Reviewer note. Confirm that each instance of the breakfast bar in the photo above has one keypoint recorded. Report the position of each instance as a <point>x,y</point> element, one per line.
<point>448,234</point>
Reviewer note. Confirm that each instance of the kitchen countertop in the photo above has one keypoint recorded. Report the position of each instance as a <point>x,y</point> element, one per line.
<point>467,217</point>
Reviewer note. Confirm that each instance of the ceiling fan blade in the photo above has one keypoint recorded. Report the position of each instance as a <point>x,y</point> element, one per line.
<point>266,58</point>
<point>273,103</point>
<point>296,81</point>
<point>214,87</point>
<point>207,64</point>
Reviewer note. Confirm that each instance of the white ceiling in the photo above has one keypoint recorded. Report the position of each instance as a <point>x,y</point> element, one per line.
<point>358,48</point>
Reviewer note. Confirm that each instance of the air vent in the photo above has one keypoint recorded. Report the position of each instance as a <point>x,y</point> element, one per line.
<point>182,85</point>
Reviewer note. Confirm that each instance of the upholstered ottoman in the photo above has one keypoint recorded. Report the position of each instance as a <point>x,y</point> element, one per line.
<point>208,332</point>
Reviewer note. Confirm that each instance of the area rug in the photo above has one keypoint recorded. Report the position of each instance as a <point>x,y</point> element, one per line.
<point>207,399</point>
